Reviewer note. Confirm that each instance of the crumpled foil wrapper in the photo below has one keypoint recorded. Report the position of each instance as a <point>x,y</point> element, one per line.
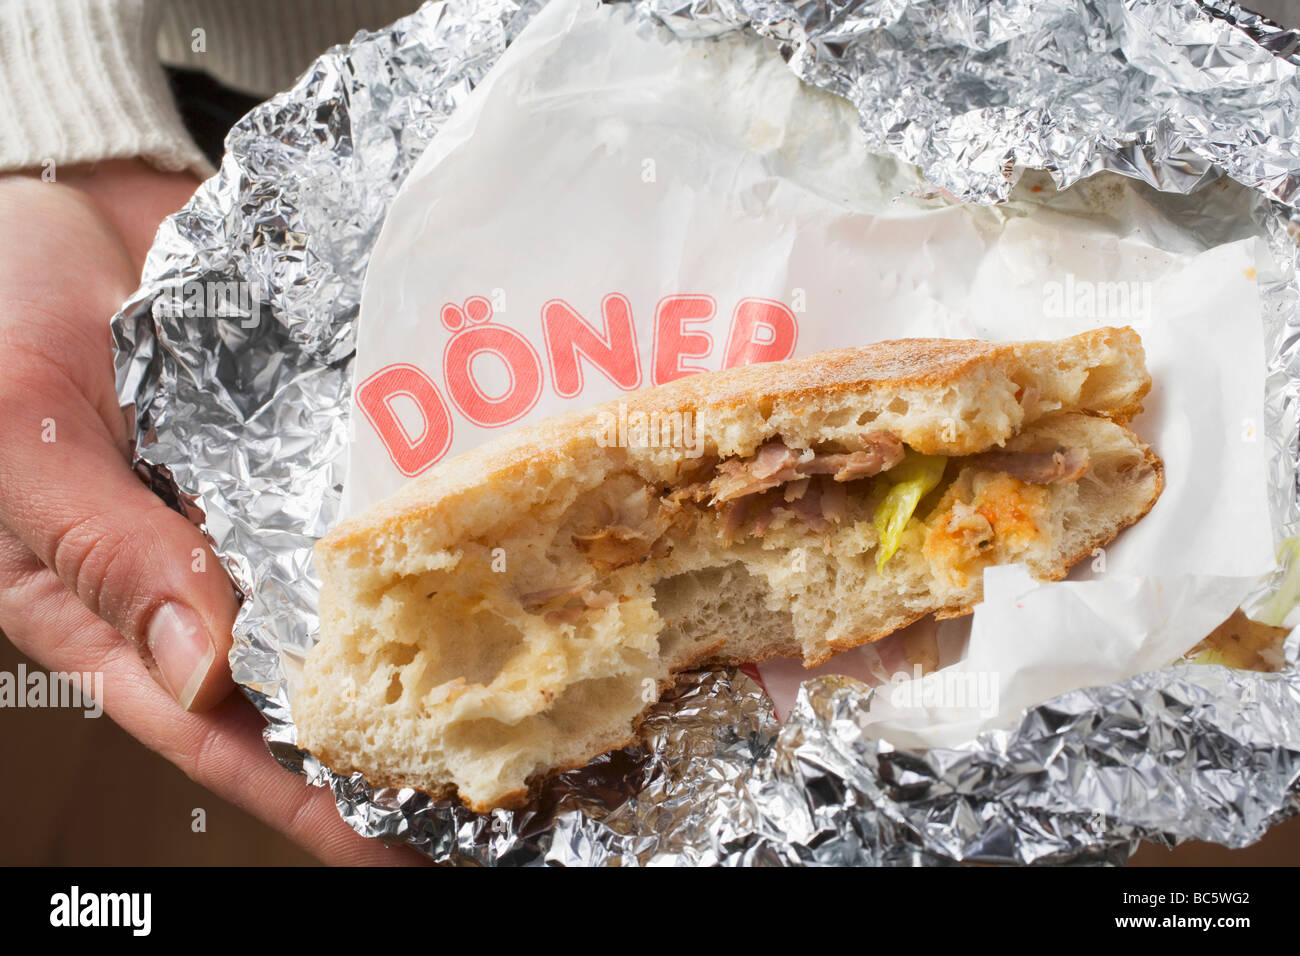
<point>241,422</point>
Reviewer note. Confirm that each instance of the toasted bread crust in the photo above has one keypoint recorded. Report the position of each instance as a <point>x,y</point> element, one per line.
<point>884,368</point>
<point>476,501</point>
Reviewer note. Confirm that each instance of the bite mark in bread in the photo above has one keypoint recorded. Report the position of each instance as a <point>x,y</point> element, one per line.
<point>623,566</point>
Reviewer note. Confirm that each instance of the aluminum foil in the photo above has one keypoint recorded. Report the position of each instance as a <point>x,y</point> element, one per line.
<point>240,418</point>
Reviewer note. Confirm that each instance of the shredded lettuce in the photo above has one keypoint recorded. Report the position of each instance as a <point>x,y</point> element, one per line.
<point>1211,655</point>
<point>910,480</point>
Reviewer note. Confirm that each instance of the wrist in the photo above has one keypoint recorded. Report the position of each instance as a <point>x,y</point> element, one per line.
<point>80,81</point>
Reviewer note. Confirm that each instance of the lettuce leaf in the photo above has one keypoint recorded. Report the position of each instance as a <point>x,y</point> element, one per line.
<point>1287,595</point>
<point>910,480</point>
<point>1210,655</point>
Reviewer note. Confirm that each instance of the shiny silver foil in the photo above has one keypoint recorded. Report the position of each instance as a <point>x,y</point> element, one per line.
<point>241,421</point>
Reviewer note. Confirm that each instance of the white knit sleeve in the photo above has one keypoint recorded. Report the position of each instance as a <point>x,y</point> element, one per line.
<point>80,81</point>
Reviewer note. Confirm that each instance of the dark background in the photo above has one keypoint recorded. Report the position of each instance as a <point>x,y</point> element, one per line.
<point>83,792</point>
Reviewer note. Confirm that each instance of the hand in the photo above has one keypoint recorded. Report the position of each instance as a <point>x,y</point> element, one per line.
<point>96,572</point>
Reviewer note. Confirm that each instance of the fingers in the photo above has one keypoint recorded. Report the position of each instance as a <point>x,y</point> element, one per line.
<point>221,745</point>
<point>67,493</point>
<point>66,489</point>
<point>222,749</point>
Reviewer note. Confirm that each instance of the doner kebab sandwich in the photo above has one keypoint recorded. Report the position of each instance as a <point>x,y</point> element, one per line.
<point>514,611</point>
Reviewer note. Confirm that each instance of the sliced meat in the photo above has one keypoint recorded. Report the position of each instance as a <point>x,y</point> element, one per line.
<point>775,464</point>
<point>772,465</point>
<point>697,491</point>
<point>734,514</point>
<point>835,503</point>
<point>734,480</point>
<point>808,509</point>
<point>765,513</point>
<point>535,599</point>
<point>816,503</point>
<point>971,526</point>
<point>738,488</point>
<point>1036,467</point>
<point>638,534</point>
<point>569,614</point>
<point>883,452</point>
<point>614,547</point>
<point>774,458</point>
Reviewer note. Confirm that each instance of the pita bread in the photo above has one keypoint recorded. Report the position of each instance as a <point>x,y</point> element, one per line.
<point>514,611</point>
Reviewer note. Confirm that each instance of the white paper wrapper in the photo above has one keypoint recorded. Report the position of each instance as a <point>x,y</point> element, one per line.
<point>659,167</point>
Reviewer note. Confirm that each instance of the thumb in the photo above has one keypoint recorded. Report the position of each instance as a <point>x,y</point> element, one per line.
<point>68,494</point>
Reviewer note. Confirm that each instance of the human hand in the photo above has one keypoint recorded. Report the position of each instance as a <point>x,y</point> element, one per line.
<point>96,572</point>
